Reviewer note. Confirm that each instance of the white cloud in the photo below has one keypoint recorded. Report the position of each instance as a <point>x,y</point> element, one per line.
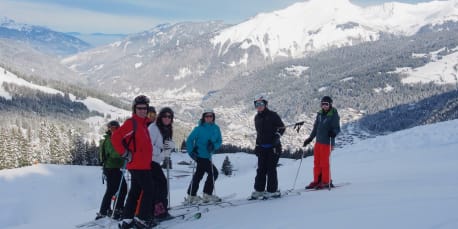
<point>68,19</point>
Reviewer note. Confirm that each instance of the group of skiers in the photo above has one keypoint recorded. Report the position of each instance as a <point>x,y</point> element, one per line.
<point>143,141</point>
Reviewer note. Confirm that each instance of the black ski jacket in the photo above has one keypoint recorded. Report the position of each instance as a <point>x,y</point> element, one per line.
<point>267,123</point>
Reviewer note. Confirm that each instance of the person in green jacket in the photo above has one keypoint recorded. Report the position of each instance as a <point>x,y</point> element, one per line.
<point>201,144</point>
<point>112,164</point>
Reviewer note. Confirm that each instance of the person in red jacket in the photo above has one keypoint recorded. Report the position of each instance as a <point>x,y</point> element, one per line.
<point>132,141</point>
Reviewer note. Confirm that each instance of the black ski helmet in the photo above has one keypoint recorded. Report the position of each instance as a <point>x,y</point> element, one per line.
<point>141,99</point>
<point>326,99</point>
<point>151,109</point>
<point>113,123</point>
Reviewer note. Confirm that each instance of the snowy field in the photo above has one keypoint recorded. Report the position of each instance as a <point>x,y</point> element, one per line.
<point>404,180</point>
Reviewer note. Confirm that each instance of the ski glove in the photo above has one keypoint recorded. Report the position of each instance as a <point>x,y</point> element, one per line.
<point>298,125</point>
<point>277,139</point>
<point>169,144</point>
<point>332,134</point>
<point>210,146</point>
<point>127,155</point>
<point>307,141</point>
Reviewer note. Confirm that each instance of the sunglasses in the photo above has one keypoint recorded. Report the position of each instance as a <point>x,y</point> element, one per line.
<point>208,116</point>
<point>141,108</point>
<point>325,104</point>
<point>259,104</point>
<point>167,116</point>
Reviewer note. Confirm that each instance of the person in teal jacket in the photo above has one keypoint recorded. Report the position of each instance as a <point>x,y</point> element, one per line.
<point>203,141</point>
<point>112,164</point>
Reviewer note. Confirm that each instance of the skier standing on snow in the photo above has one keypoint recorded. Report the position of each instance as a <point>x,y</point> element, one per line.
<point>112,163</point>
<point>325,129</point>
<point>203,141</point>
<point>161,137</point>
<point>268,149</point>
<point>133,142</point>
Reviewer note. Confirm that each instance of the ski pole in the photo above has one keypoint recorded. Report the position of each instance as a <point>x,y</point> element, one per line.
<point>123,172</point>
<point>330,150</point>
<point>296,126</point>
<point>213,175</point>
<point>192,177</point>
<point>298,169</point>
<point>168,181</point>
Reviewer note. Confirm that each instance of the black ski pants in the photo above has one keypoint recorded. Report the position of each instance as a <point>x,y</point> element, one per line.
<point>141,180</point>
<point>204,165</point>
<point>160,196</point>
<point>267,169</point>
<point>113,178</point>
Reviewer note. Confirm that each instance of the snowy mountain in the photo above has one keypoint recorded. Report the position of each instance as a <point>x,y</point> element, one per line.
<point>41,38</point>
<point>18,57</point>
<point>316,25</point>
<point>190,66</point>
<point>98,39</point>
<point>390,187</point>
<point>181,66</point>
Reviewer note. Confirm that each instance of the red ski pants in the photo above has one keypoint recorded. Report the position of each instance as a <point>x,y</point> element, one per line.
<point>321,163</point>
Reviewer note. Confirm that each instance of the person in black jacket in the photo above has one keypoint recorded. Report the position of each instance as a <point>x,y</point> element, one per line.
<point>325,129</point>
<point>268,149</point>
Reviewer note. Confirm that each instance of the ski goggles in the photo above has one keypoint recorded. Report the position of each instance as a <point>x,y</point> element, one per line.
<point>259,104</point>
<point>325,104</point>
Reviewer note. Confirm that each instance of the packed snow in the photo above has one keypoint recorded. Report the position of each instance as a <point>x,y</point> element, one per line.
<point>403,180</point>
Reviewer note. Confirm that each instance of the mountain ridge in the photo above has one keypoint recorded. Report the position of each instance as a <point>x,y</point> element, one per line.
<point>42,38</point>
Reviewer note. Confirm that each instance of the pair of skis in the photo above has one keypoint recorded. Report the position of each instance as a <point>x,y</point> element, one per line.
<point>110,223</point>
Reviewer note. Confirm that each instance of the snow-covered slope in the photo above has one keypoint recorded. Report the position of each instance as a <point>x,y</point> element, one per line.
<point>315,25</point>
<point>438,71</point>
<point>93,104</point>
<point>403,180</point>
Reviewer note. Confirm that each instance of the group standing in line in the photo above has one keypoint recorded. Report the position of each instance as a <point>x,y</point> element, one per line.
<point>143,141</point>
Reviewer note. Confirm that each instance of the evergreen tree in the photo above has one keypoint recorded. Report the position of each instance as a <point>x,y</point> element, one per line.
<point>227,167</point>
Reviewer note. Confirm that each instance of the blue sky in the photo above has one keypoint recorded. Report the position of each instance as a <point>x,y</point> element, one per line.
<point>131,16</point>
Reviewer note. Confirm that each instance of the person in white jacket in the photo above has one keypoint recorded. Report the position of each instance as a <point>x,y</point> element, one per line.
<point>161,133</point>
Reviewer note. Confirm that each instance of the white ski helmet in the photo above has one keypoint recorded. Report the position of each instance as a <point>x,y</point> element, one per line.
<point>208,111</point>
<point>260,97</point>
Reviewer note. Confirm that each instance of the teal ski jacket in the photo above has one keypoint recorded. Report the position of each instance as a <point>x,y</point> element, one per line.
<point>200,137</point>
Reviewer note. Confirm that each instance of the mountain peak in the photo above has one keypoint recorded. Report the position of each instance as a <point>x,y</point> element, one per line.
<point>10,24</point>
<point>316,25</point>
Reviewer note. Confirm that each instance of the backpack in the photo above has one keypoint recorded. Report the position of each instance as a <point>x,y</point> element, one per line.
<point>126,144</point>
<point>102,153</point>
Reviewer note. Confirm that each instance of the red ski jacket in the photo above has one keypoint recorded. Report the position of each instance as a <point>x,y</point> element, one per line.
<point>140,146</point>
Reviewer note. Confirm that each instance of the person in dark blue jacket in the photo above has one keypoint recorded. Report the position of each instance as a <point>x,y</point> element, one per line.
<point>201,143</point>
